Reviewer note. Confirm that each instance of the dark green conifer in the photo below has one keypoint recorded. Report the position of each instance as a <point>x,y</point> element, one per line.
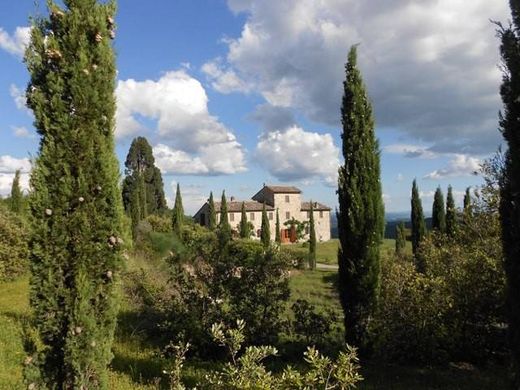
<point>212,213</point>
<point>361,212</point>
<point>75,201</point>
<point>278,236</point>
<point>451,214</point>
<point>438,212</point>
<point>16,200</point>
<point>400,239</point>
<point>510,181</point>
<point>224,228</point>
<point>178,213</point>
<point>265,231</point>
<point>467,202</point>
<point>312,239</point>
<point>245,230</point>
<point>418,224</point>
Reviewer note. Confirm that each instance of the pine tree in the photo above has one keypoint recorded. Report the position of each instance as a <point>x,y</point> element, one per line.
<point>400,239</point>
<point>418,224</point>
<point>265,231</point>
<point>75,201</point>
<point>278,237</point>
<point>439,212</point>
<point>212,213</point>
<point>178,213</point>
<point>361,213</point>
<point>224,228</point>
<point>312,240</point>
<point>16,200</point>
<point>510,182</point>
<point>451,214</point>
<point>245,230</point>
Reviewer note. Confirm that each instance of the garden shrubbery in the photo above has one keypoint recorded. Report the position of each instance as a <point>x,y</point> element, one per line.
<point>13,245</point>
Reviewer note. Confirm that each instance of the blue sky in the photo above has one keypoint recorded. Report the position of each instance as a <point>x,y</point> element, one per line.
<point>233,94</point>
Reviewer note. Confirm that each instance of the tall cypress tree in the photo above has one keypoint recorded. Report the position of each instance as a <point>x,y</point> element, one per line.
<point>178,213</point>
<point>265,231</point>
<point>312,240</point>
<point>361,213</point>
<point>451,214</point>
<point>245,231</point>
<point>467,202</point>
<point>438,212</point>
<point>400,239</point>
<point>16,200</point>
<point>224,228</point>
<point>277,237</point>
<point>75,202</point>
<point>418,224</point>
<point>510,182</point>
<point>212,213</point>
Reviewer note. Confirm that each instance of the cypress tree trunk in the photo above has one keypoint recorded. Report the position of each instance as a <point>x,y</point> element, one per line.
<point>16,200</point>
<point>212,213</point>
<point>438,212</point>
<point>245,232</point>
<point>451,214</point>
<point>400,239</point>
<point>312,240</point>
<point>178,213</point>
<point>277,237</point>
<point>510,185</point>
<point>76,202</point>
<point>418,224</point>
<point>361,214</point>
<point>265,233</point>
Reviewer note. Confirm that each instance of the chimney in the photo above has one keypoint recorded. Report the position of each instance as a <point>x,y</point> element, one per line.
<point>232,199</point>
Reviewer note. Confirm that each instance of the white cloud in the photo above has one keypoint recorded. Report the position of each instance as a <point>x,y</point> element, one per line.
<point>10,164</point>
<point>16,43</point>
<point>224,81</point>
<point>19,97</point>
<point>192,140</point>
<point>419,60</point>
<point>296,154</point>
<point>460,165</point>
<point>6,183</point>
<point>193,197</point>
<point>22,132</point>
<point>410,151</point>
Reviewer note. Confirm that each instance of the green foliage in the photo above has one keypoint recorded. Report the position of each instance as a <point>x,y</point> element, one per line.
<point>400,239</point>
<point>178,213</point>
<point>418,224</point>
<point>297,256</point>
<point>159,223</point>
<point>278,236</point>
<point>75,200</point>
<point>14,251</point>
<point>212,213</point>
<point>467,201</point>
<point>224,228</point>
<point>245,226</point>
<point>510,176</point>
<point>438,212</point>
<point>311,325</point>
<point>361,214</point>
<point>451,214</point>
<point>16,201</point>
<point>265,233</point>
<point>298,226</point>
<point>312,240</point>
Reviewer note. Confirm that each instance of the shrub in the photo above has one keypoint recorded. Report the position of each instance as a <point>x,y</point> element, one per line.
<point>311,325</point>
<point>13,245</point>
<point>298,256</point>
<point>160,223</point>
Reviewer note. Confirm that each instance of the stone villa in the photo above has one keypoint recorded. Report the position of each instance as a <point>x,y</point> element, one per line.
<point>285,199</point>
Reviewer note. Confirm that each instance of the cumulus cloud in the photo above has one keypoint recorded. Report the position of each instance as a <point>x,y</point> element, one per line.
<point>460,165</point>
<point>19,97</point>
<point>6,183</point>
<point>419,60</point>
<point>192,140</point>
<point>224,81</point>
<point>410,151</point>
<point>21,132</point>
<point>17,42</point>
<point>9,164</point>
<point>193,197</point>
<point>272,117</point>
<point>295,154</point>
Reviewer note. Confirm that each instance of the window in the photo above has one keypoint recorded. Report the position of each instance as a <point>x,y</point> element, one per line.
<point>251,216</point>
<point>321,214</point>
<point>232,217</point>
<point>270,216</point>
<point>287,215</point>
<point>287,199</point>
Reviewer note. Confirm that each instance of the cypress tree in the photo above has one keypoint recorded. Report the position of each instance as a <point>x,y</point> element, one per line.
<point>510,182</point>
<point>178,213</point>
<point>16,200</point>
<point>76,201</point>
<point>245,231</point>
<point>451,214</point>
<point>312,240</point>
<point>418,224</point>
<point>361,214</point>
<point>212,213</point>
<point>439,212</point>
<point>467,202</point>
<point>277,237</point>
<point>224,228</point>
<point>400,239</point>
<point>265,231</point>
